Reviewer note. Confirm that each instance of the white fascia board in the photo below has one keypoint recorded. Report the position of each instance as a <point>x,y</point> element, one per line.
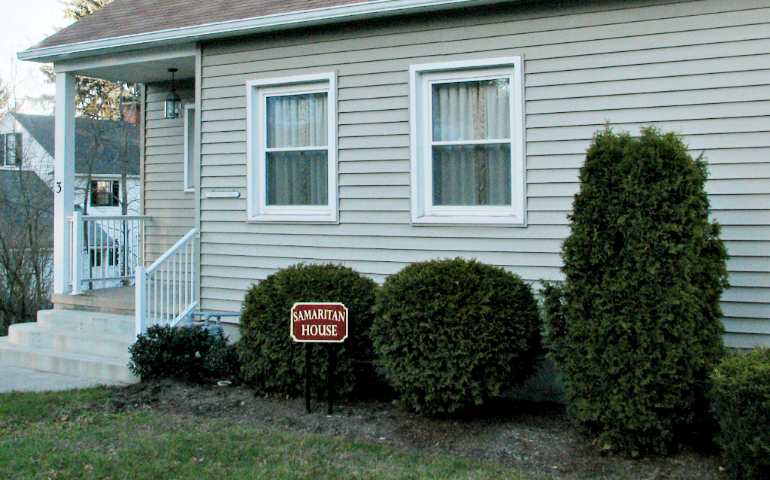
<point>239,27</point>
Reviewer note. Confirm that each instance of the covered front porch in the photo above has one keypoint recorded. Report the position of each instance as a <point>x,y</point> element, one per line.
<point>96,252</point>
<point>114,276</point>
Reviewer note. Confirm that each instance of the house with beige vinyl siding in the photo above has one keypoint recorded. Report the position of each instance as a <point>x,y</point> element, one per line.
<point>379,133</point>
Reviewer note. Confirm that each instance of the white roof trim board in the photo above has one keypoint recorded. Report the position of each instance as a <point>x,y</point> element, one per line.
<point>239,27</point>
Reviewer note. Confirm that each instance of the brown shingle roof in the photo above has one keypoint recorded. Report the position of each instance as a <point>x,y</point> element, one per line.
<point>131,17</point>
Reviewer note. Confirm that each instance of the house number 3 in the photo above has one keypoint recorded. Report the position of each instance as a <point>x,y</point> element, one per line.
<point>58,187</point>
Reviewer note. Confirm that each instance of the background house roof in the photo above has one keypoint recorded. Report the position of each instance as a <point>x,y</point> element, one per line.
<point>102,146</point>
<point>131,17</point>
<point>23,196</point>
<point>10,180</point>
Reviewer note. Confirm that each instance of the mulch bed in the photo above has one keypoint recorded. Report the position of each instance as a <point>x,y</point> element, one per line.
<point>535,438</point>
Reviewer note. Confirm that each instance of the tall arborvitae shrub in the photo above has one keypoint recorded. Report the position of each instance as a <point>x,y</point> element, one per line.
<point>639,329</point>
<point>273,363</point>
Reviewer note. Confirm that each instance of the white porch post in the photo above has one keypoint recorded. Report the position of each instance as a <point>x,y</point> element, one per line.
<point>76,259</point>
<point>64,178</point>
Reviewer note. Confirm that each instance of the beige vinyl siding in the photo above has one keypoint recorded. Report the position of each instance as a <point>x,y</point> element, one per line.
<point>695,67</point>
<point>171,210</point>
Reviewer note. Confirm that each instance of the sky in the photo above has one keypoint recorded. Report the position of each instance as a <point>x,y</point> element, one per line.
<point>24,23</point>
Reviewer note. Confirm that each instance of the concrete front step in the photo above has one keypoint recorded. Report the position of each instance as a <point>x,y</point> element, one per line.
<point>73,342</point>
<point>32,335</point>
<point>107,369</point>
<point>96,323</point>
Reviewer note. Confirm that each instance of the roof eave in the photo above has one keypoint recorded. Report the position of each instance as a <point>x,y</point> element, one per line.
<point>358,11</point>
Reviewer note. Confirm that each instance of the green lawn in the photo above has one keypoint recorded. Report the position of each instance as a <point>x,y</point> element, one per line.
<point>58,436</point>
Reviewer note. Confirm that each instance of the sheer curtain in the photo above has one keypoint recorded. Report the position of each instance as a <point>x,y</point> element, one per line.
<point>471,143</point>
<point>297,154</point>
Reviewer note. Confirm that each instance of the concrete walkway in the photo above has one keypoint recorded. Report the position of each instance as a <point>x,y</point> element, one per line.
<point>26,380</point>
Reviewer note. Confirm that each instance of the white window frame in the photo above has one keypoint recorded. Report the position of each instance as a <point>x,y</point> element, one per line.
<point>257,92</point>
<point>189,152</point>
<point>14,150</point>
<point>114,199</point>
<point>424,212</point>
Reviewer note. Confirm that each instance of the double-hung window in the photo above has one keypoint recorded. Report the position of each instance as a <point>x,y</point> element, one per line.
<point>292,149</point>
<point>467,142</point>
<point>105,193</point>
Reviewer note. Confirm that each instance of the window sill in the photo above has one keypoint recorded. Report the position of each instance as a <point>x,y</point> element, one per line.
<point>284,220</point>
<point>481,220</point>
<point>294,218</point>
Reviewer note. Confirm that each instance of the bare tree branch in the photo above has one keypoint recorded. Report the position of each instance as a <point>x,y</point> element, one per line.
<point>26,247</point>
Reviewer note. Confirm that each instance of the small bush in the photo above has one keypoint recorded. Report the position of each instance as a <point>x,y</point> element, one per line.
<point>741,400</point>
<point>274,363</point>
<point>185,353</point>
<point>453,333</point>
<point>636,326</point>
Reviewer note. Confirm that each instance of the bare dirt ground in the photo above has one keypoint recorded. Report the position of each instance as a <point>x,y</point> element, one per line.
<point>535,438</point>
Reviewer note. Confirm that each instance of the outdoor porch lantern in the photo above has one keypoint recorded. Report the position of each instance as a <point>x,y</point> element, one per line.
<point>173,100</point>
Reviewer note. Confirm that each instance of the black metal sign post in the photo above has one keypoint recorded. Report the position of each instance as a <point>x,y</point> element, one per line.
<point>332,358</point>
<point>308,374</point>
<point>319,323</point>
<point>330,379</point>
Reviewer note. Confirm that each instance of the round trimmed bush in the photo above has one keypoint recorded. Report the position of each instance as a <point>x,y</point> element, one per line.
<point>453,333</point>
<point>183,353</point>
<point>273,363</point>
<point>741,400</point>
<point>640,327</point>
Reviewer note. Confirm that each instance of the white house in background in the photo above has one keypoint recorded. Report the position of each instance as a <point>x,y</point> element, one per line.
<point>107,158</point>
<point>107,153</point>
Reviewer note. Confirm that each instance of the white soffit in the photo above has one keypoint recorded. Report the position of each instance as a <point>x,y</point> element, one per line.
<point>139,66</point>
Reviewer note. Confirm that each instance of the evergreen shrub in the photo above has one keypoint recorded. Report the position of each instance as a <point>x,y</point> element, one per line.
<point>741,400</point>
<point>184,353</point>
<point>452,333</point>
<point>552,298</point>
<point>274,363</point>
<point>638,330</point>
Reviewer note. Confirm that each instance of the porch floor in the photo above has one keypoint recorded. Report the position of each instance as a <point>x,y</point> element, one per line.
<point>108,300</point>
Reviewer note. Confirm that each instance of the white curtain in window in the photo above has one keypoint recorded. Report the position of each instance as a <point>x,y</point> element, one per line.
<point>472,175</point>
<point>297,178</point>
<point>297,157</point>
<point>471,143</point>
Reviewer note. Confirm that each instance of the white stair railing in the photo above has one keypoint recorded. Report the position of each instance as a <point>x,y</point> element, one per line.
<point>165,291</point>
<point>105,250</point>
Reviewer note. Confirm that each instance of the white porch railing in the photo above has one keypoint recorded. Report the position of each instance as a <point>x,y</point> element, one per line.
<point>105,250</point>
<point>165,291</point>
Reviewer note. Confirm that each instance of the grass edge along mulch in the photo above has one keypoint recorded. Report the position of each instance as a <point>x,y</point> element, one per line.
<point>61,435</point>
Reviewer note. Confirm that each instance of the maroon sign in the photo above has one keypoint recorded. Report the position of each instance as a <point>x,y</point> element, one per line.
<point>319,322</point>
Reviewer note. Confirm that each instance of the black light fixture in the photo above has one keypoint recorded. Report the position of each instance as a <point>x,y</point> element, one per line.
<point>173,100</point>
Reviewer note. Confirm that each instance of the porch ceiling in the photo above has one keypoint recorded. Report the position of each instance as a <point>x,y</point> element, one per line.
<point>146,66</point>
<point>145,72</point>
